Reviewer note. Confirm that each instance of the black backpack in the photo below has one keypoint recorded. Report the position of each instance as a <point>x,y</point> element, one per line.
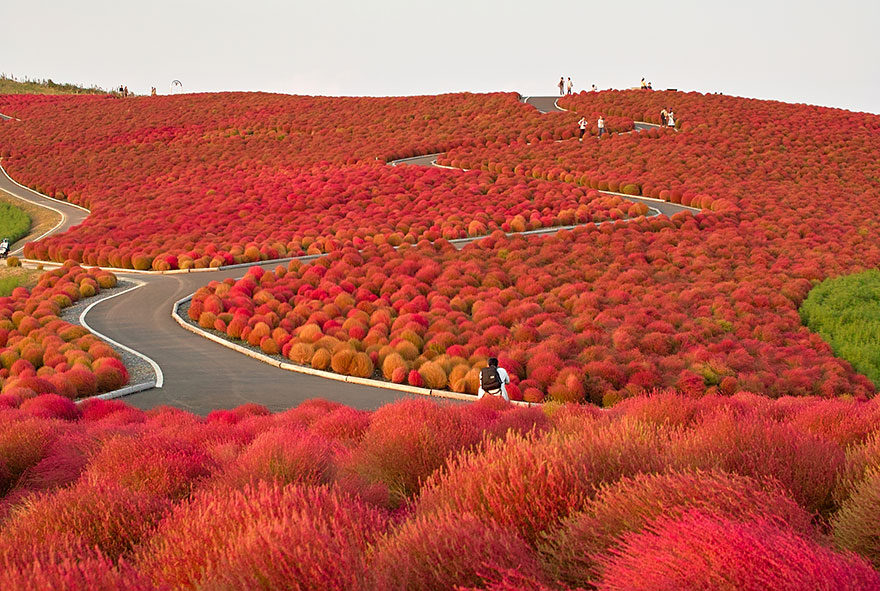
<point>489,379</point>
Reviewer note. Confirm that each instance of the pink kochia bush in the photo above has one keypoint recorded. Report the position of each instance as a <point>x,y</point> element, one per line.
<point>421,495</point>
<point>42,354</point>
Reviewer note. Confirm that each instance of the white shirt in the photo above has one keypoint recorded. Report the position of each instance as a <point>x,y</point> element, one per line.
<point>583,123</point>
<point>670,119</point>
<point>601,123</point>
<point>505,379</point>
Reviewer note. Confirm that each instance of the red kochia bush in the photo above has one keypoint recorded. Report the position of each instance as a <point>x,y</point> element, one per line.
<point>408,440</point>
<point>704,551</point>
<point>572,552</point>
<point>265,536</point>
<point>74,573</point>
<point>531,483</point>
<point>52,406</point>
<point>440,551</point>
<point>107,516</point>
<point>751,445</point>
<point>285,456</point>
<point>161,466</point>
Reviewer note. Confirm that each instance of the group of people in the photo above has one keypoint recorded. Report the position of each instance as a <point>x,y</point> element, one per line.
<point>123,91</point>
<point>583,123</point>
<point>667,118</point>
<point>566,86</point>
<point>646,85</point>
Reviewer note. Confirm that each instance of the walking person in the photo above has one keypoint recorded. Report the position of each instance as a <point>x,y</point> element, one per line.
<point>494,380</point>
<point>601,125</point>
<point>670,120</point>
<point>568,86</point>
<point>663,117</point>
<point>583,127</point>
<point>561,86</point>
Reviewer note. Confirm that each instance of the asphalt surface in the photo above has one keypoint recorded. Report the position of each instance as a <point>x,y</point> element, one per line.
<point>71,215</point>
<point>200,375</point>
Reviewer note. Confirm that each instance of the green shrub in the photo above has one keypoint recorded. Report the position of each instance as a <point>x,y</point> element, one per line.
<point>845,311</point>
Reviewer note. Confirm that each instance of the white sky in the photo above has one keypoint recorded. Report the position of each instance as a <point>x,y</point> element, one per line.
<point>824,53</point>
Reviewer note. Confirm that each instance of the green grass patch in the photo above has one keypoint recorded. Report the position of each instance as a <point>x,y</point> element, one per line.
<point>12,277</point>
<point>14,222</point>
<point>845,311</point>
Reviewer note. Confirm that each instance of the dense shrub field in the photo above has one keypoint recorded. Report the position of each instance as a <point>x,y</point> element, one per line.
<point>704,303</point>
<point>14,223</point>
<point>227,178</point>
<point>42,354</point>
<point>846,312</point>
<point>567,320</point>
<point>662,492</point>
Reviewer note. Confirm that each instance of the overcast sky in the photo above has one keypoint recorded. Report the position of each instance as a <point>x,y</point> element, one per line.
<point>824,53</point>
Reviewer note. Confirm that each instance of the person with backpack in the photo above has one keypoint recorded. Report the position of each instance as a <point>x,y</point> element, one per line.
<point>494,380</point>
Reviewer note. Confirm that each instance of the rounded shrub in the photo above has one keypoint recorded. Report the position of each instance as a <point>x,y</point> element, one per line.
<point>855,525</point>
<point>705,551</point>
<point>264,536</point>
<point>573,551</point>
<point>447,551</point>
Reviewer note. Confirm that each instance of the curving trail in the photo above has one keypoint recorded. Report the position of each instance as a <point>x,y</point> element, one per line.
<point>197,374</point>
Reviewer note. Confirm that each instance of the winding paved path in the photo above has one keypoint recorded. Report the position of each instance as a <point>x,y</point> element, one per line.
<point>198,375</point>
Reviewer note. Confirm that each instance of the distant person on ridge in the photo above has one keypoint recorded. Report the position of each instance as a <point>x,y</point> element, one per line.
<point>601,125</point>
<point>568,86</point>
<point>583,125</point>
<point>493,380</point>
<point>650,86</point>
<point>561,86</point>
<point>594,89</point>
<point>643,85</point>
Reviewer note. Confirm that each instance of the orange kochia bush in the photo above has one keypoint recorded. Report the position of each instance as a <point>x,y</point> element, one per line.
<point>326,496</point>
<point>42,354</point>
